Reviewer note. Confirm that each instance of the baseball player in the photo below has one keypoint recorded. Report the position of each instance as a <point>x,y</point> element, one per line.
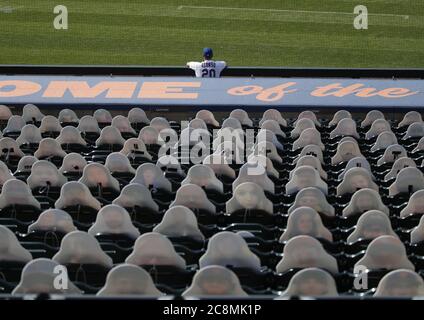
<point>208,68</point>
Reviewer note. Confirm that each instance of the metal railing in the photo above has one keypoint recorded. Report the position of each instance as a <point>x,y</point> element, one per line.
<point>146,71</point>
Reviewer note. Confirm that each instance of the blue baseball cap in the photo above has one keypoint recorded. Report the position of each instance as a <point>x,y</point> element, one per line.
<point>207,52</point>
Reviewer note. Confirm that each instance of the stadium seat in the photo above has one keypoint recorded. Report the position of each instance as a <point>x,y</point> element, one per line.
<point>127,280</point>
<point>113,220</point>
<point>311,282</point>
<point>16,197</point>
<point>215,281</point>
<point>138,201</point>
<point>306,252</point>
<point>229,249</point>
<point>50,227</point>
<point>68,117</point>
<point>301,125</point>
<point>277,204</point>
<point>154,249</point>
<point>12,250</point>
<point>386,252</point>
<point>400,283</point>
<point>76,199</point>
<point>138,118</point>
<point>32,114</point>
<point>304,177</point>
<point>38,277</point>
<point>79,247</point>
<point>72,166</point>
<point>305,221</point>
<point>180,225</point>
<point>30,137</point>
<point>49,149</point>
<point>70,140</point>
<point>50,127</point>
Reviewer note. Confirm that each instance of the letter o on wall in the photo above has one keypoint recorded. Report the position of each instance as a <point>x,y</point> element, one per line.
<point>19,88</point>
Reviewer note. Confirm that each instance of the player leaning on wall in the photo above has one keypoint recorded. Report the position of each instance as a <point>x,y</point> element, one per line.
<point>208,68</point>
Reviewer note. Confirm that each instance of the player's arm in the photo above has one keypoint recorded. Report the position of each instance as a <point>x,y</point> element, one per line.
<point>221,66</point>
<point>192,65</point>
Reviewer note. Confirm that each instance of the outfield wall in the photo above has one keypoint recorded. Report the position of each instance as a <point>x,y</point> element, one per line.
<point>65,86</point>
<point>223,93</point>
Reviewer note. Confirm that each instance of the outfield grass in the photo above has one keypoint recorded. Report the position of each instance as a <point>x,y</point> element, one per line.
<point>296,33</point>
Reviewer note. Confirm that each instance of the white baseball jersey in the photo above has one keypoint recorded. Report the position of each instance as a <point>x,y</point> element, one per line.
<point>207,68</point>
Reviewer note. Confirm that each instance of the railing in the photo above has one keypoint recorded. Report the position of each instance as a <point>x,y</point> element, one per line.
<point>229,72</point>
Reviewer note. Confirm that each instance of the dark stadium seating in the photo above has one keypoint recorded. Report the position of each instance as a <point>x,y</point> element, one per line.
<point>260,204</point>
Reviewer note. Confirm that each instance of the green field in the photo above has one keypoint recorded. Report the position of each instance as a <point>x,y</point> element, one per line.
<point>298,33</point>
